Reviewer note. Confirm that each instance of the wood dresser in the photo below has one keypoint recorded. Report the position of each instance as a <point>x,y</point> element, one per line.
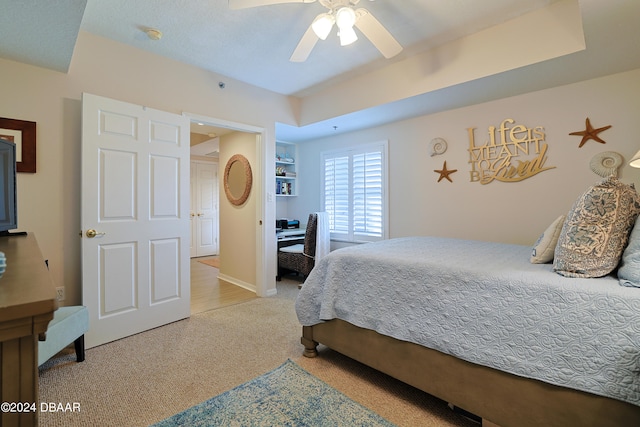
<point>27,303</point>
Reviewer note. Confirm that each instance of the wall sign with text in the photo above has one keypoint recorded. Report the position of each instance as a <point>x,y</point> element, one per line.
<point>512,153</point>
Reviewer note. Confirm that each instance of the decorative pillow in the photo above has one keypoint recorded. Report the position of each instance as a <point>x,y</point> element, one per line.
<point>545,246</point>
<point>596,230</point>
<point>629,271</point>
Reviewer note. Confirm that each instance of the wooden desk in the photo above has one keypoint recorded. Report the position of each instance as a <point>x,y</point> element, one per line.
<point>27,303</point>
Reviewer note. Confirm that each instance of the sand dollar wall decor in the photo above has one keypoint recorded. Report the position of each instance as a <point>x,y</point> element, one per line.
<point>606,163</point>
<point>437,146</point>
<point>238,179</point>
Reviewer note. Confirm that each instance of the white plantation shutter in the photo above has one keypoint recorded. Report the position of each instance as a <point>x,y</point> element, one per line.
<point>367,194</point>
<point>336,178</point>
<point>354,185</point>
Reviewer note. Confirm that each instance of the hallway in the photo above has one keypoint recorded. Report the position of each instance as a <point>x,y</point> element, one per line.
<point>208,293</point>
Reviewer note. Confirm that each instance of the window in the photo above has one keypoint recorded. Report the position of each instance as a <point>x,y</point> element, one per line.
<point>354,189</point>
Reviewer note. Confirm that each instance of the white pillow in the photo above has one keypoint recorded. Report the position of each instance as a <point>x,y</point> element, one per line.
<point>629,271</point>
<point>545,246</point>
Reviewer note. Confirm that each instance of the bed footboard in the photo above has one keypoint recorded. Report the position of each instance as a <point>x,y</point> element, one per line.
<point>498,397</point>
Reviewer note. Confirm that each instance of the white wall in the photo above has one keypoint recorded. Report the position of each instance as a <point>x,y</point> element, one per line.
<point>49,200</point>
<point>506,212</point>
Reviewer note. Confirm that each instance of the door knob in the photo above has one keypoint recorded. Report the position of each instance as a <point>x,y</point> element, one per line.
<point>91,233</point>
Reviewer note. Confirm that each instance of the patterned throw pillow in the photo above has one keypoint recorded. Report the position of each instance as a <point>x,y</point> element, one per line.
<point>629,271</point>
<point>545,246</point>
<point>596,230</point>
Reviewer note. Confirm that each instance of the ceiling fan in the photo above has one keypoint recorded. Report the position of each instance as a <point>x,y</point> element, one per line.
<point>341,13</point>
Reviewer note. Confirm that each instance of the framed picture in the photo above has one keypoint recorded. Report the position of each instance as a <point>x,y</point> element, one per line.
<point>23,134</point>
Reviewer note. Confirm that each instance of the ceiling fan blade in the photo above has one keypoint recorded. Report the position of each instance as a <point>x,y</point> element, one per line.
<point>377,34</point>
<point>305,46</point>
<point>244,4</point>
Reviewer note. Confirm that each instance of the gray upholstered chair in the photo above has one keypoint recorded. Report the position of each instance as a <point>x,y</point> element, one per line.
<point>300,258</point>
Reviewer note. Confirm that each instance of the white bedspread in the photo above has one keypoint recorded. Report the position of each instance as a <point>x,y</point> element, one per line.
<point>485,303</point>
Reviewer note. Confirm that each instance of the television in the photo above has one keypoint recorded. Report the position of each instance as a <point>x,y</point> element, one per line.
<point>8,202</point>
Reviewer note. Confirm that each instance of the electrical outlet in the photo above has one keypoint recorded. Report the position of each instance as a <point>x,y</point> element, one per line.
<point>60,293</point>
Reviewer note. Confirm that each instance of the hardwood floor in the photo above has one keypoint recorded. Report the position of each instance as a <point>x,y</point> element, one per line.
<point>208,293</point>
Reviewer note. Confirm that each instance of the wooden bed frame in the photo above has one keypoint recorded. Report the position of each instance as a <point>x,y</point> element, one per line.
<point>498,397</point>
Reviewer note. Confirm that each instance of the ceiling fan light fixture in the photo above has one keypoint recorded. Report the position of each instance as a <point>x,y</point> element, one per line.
<point>345,19</point>
<point>322,25</point>
<point>343,14</point>
<point>347,36</point>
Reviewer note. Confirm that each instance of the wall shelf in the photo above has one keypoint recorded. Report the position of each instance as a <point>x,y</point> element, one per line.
<point>286,169</point>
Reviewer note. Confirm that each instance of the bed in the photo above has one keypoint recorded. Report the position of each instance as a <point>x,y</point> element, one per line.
<point>478,325</point>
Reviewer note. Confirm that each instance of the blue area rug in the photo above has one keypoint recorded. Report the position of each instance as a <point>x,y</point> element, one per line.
<point>286,396</point>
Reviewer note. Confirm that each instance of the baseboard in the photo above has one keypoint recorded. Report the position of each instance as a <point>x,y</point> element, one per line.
<point>237,282</point>
<point>272,292</point>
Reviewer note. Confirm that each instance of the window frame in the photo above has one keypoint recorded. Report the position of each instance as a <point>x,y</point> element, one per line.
<point>350,235</point>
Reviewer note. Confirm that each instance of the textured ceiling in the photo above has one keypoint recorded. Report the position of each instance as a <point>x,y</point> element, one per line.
<point>254,45</point>
<point>41,33</point>
<point>251,45</point>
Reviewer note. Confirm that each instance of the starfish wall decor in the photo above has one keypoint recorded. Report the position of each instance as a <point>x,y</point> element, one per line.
<point>444,172</point>
<point>590,133</point>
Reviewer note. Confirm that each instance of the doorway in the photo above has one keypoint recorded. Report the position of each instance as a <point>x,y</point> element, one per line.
<point>210,288</point>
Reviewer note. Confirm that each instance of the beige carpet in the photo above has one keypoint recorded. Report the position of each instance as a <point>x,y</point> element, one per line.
<point>213,262</point>
<point>145,378</point>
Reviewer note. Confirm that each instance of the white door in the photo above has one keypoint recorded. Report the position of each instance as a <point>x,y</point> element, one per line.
<point>204,208</point>
<point>135,202</point>
<point>193,248</point>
